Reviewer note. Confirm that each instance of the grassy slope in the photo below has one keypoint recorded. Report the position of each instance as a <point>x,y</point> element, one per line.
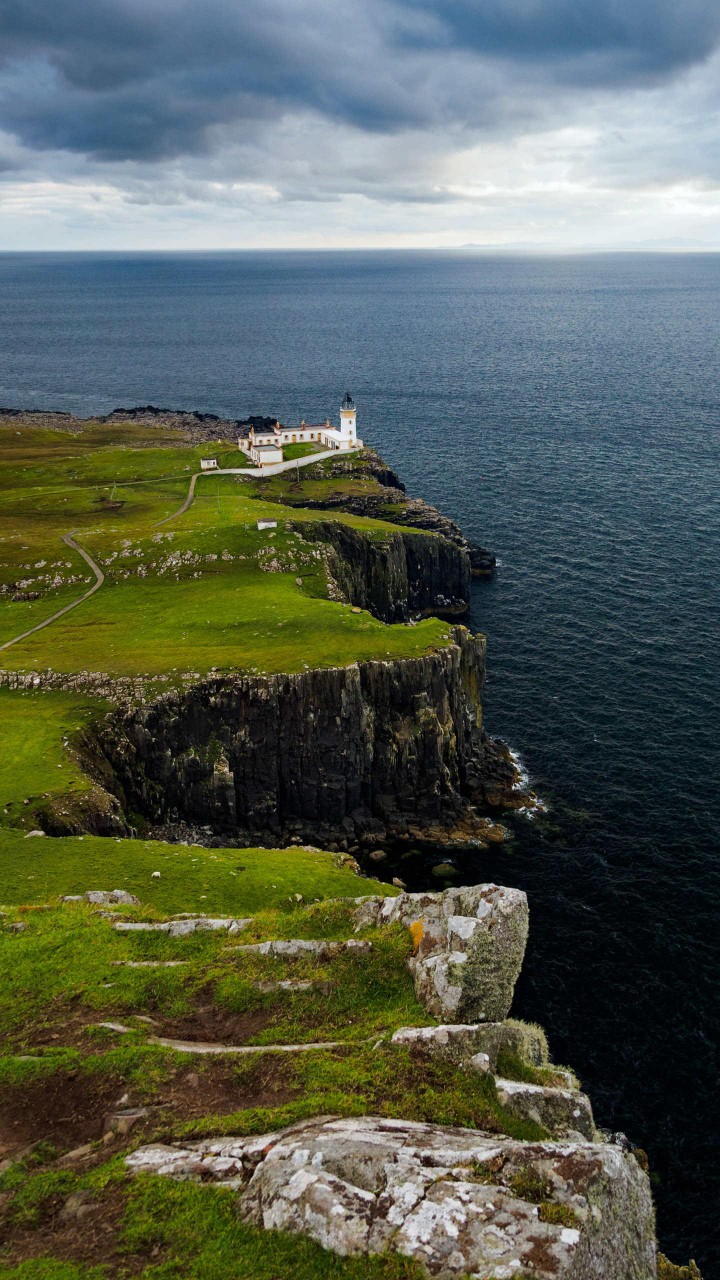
<point>57,975</point>
<point>232,881</point>
<point>33,761</point>
<point>59,981</point>
<point>192,594</point>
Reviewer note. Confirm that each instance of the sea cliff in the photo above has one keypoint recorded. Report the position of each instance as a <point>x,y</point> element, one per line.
<point>352,754</point>
<point>356,1080</point>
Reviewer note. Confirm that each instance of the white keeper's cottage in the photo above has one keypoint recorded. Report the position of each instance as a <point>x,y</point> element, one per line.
<point>266,447</point>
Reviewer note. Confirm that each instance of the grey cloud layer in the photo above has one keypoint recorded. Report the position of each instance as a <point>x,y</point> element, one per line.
<point>137,80</point>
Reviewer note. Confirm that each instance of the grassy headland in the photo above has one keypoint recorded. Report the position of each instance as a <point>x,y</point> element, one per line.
<point>202,591</point>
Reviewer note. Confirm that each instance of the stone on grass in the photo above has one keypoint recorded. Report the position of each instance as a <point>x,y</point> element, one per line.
<point>78,1153</point>
<point>291,948</point>
<point>523,1040</point>
<point>458,1202</point>
<point>112,897</point>
<point>461,1040</point>
<point>121,1122</point>
<point>469,946</point>
<point>560,1111</point>
<point>183,928</point>
<point>456,1041</point>
<point>78,1205</point>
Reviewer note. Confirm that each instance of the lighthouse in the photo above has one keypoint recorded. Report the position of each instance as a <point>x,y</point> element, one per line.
<point>348,422</point>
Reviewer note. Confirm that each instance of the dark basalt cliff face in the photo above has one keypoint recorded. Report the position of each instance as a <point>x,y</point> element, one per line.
<point>395,576</point>
<point>388,501</point>
<point>360,753</point>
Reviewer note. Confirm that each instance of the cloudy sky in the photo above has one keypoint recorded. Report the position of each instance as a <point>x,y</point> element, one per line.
<point>303,123</point>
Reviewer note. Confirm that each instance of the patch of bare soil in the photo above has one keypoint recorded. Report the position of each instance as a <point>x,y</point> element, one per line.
<point>89,1236</point>
<point>220,1088</point>
<point>208,1021</point>
<point>71,1109</point>
<point>68,1109</point>
<point>67,1029</point>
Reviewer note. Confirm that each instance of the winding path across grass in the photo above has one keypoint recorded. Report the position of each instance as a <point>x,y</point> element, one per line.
<point>69,541</point>
<point>253,473</point>
<point>190,495</point>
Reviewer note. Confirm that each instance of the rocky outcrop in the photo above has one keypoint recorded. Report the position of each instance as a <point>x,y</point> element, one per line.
<point>360,752</point>
<point>395,576</point>
<point>387,501</point>
<point>469,946</point>
<point>458,1202</point>
<point>104,898</point>
<point>564,1112</point>
<point>462,1041</point>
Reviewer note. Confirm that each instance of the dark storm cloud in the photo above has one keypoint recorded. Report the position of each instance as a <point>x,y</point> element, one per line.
<point>147,79</point>
<point>611,39</point>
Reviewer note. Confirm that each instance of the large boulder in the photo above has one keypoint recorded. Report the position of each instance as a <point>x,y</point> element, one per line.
<point>469,946</point>
<point>458,1202</point>
<point>460,1041</point>
<point>563,1112</point>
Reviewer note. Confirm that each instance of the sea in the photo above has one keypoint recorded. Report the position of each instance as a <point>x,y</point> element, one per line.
<point>566,412</point>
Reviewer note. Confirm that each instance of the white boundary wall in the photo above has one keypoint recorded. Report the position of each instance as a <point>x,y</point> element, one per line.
<point>289,464</point>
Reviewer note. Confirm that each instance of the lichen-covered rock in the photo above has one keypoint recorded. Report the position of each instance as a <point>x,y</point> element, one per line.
<point>469,946</point>
<point>183,928</point>
<point>292,948</point>
<point>462,1040</point>
<point>456,1041</point>
<point>560,1111</point>
<point>111,897</point>
<point>458,1202</point>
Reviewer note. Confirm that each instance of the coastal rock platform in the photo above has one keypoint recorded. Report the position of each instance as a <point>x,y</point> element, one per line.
<point>458,1202</point>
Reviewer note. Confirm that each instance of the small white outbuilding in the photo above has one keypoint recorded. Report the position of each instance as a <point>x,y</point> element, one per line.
<point>208,464</point>
<point>264,455</point>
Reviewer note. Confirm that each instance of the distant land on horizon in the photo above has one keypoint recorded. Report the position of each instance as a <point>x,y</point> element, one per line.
<point>531,248</point>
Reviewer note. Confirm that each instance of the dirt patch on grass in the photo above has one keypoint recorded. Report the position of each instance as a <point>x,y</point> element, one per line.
<point>91,1239</point>
<point>71,1109</point>
<point>221,1088</point>
<point>68,1109</point>
<point>211,1022</point>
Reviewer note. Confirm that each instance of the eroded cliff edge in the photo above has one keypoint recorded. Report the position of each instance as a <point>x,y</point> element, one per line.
<point>374,750</point>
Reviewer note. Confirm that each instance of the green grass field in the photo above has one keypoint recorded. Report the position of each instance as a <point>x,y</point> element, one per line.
<point>229,881</point>
<point>204,589</point>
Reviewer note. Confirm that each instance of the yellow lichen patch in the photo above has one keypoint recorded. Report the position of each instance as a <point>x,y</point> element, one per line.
<point>417,932</point>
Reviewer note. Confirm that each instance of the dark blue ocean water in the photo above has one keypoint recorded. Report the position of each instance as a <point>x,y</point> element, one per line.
<point>566,411</point>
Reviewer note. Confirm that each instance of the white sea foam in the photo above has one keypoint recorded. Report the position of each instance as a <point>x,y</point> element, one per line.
<point>535,806</point>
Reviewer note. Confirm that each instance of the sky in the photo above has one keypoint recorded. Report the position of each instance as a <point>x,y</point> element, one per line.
<point>213,124</point>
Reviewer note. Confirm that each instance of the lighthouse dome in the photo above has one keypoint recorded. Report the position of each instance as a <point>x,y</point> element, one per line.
<point>348,402</point>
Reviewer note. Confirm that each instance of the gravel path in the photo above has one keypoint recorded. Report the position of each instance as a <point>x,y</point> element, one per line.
<point>69,540</point>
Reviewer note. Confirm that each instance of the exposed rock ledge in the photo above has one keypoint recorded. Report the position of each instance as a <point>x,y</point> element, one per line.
<point>389,502</point>
<point>458,1202</point>
<point>373,750</point>
<point>469,946</point>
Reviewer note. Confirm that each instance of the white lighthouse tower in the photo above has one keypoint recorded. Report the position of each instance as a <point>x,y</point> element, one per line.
<point>348,422</point>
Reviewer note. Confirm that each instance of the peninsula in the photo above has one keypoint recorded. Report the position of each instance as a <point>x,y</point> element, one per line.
<point>233,670</point>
